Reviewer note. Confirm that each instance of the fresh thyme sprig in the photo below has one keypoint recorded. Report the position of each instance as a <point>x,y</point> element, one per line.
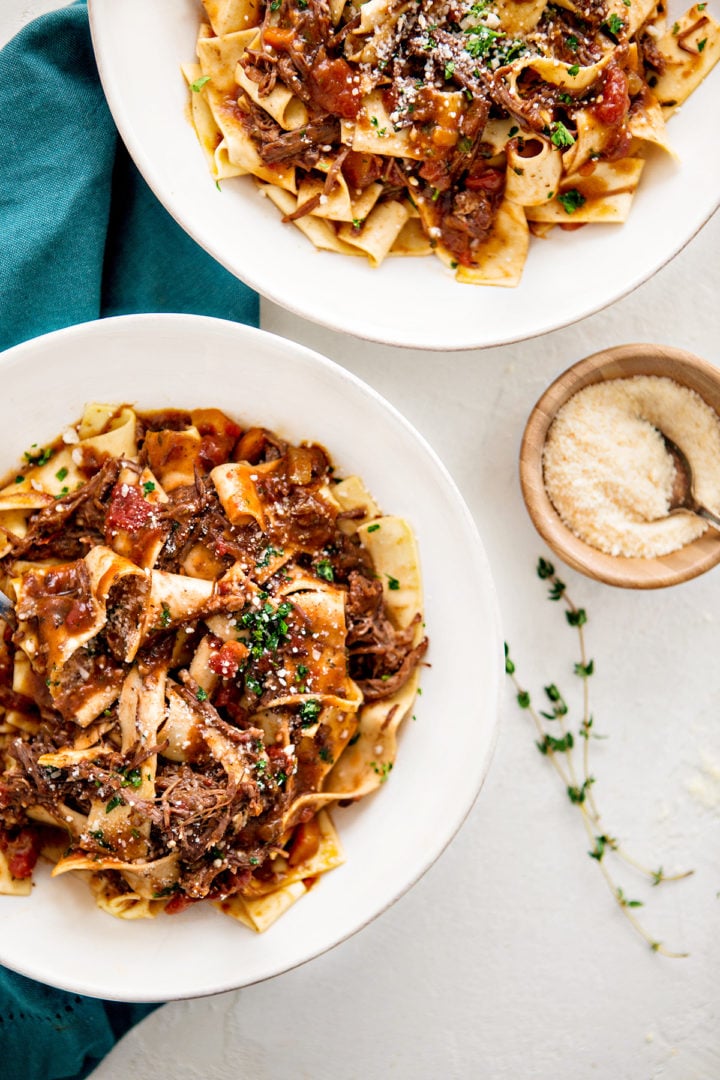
<point>559,746</point>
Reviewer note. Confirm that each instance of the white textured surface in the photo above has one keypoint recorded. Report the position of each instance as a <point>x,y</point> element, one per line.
<point>509,961</point>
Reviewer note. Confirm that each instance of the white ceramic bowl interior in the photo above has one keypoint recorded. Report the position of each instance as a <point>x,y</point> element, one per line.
<point>57,934</point>
<point>414,302</point>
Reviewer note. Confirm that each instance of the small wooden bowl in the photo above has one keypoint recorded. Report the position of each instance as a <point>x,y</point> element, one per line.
<point>621,361</point>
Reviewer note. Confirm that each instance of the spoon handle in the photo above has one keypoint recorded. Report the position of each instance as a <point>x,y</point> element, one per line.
<point>703,512</point>
<point>7,611</point>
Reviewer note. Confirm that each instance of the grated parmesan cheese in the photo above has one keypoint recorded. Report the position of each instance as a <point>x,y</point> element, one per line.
<point>609,475</point>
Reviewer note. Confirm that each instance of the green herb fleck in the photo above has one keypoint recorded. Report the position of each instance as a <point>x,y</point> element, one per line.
<point>574,70</point>
<point>577,794</point>
<point>571,200</point>
<point>393,583</point>
<point>61,474</point>
<point>202,694</point>
<point>624,902</point>
<point>324,569</point>
<point>383,769</point>
<point>701,44</point>
<point>325,755</point>
<point>373,528</point>
<point>613,24</point>
<point>132,778</point>
<point>148,486</point>
<point>99,837</point>
<point>115,801</point>
<point>548,744</point>
<point>197,86</point>
<point>40,458</point>
<point>309,712</point>
<point>561,136</point>
<point>268,554</point>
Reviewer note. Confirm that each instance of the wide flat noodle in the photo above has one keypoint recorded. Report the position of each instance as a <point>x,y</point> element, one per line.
<point>606,193</point>
<point>690,49</point>
<point>195,698</point>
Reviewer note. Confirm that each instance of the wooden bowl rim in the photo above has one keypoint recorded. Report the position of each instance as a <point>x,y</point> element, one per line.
<point>618,361</point>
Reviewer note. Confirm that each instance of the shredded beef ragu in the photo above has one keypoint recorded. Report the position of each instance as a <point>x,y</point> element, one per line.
<point>213,801</point>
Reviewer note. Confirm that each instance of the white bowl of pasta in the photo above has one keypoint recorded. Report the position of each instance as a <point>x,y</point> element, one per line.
<point>218,640</point>
<point>408,161</point>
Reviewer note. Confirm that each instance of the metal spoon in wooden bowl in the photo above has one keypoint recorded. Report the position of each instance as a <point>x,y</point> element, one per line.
<point>7,610</point>
<point>682,496</point>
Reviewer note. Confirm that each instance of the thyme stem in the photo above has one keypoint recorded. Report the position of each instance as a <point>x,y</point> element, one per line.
<point>580,793</point>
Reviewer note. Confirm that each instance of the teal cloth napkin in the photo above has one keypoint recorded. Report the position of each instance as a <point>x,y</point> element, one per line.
<point>81,237</point>
<point>81,234</point>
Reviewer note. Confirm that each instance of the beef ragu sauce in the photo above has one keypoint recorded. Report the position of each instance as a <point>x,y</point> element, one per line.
<point>220,829</point>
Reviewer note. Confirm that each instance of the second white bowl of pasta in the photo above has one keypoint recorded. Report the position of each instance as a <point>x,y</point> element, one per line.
<point>221,620</point>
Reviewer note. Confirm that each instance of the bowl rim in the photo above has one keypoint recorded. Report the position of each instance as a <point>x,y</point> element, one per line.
<point>159,324</point>
<point>612,362</point>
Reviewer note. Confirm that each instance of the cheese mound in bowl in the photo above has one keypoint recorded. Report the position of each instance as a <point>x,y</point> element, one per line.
<point>608,471</point>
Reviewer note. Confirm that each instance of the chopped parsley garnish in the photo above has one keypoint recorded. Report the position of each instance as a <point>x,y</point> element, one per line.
<point>132,778</point>
<point>373,528</point>
<point>148,486</point>
<point>309,712</point>
<point>354,739</point>
<point>165,617</point>
<point>567,99</point>
<point>574,70</point>
<point>115,801</point>
<point>513,131</point>
<point>202,694</point>
<point>61,474</point>
<point>465,145</point>
<point>324,569</point>
<point>382,770</point>
<point>572,43</point>
<point>701,44</point>
<point>40,458</point>
<point>19,479</point>
<point>560,136</point>
<point>358,222</point>
<point>99,837</point>
<point>571,200</point>
<point>482,39</point>
<point>325,755</point>
<point>267,628</point>
<point>301,671</point>
<point>268,554</point>
<point>253,860</point>
<point>449,69</point>
<point>253,685</point>
<point>613,24</point>
<point>393,583</point>
<point>197,86</point>
<point>676,28</point>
